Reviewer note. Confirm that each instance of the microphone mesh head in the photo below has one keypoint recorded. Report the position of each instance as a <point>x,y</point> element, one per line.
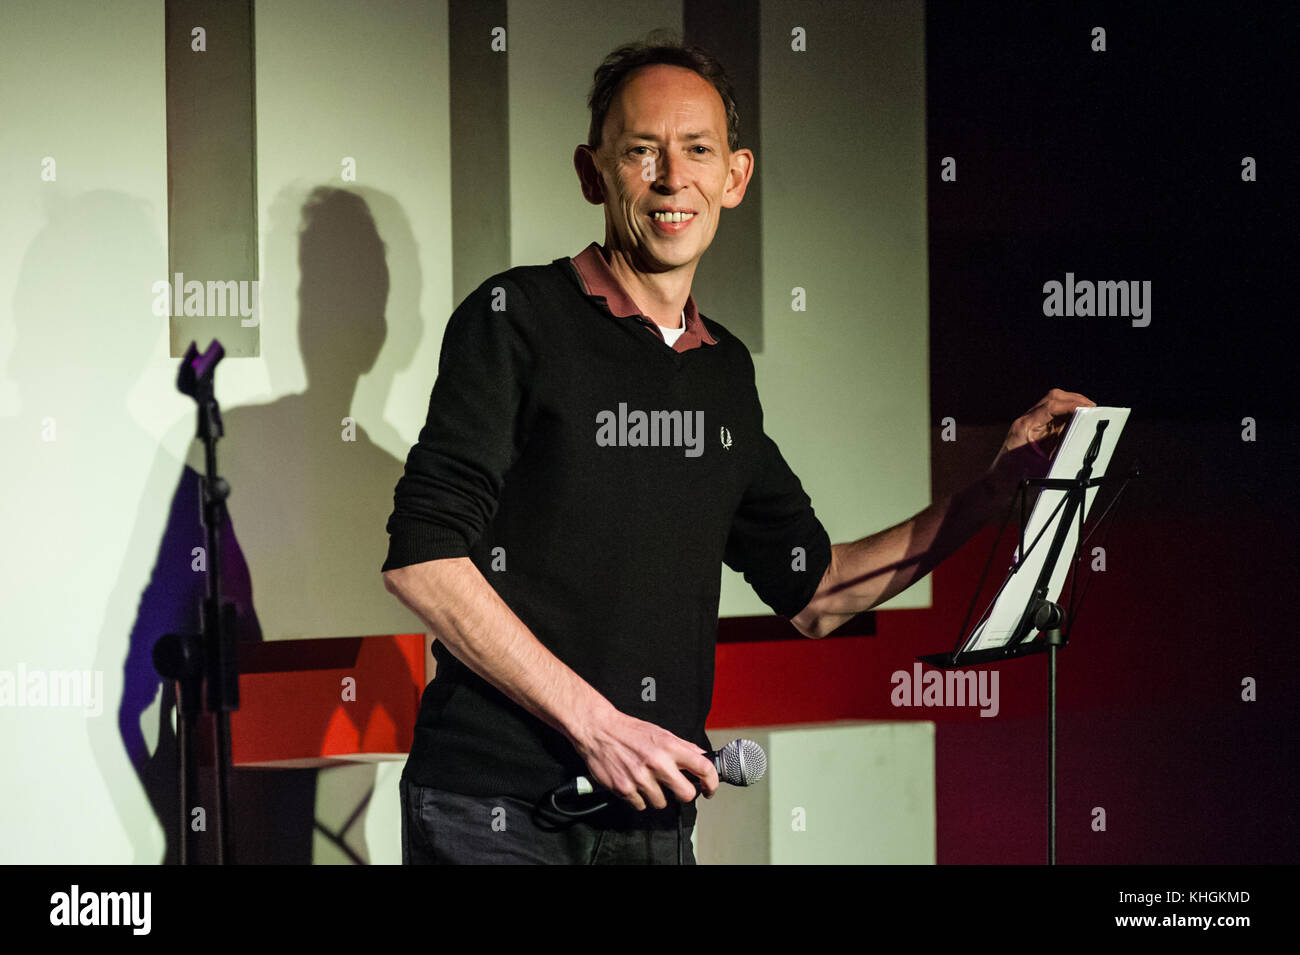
<point>742,762</point>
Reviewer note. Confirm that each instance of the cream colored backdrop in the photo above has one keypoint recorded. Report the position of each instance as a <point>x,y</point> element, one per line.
<point>95,434</point>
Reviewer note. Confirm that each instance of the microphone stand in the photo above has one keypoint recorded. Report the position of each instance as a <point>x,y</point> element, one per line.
<point>204,665</point>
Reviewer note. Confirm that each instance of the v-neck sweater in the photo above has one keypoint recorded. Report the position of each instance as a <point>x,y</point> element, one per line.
<point>598,479</point>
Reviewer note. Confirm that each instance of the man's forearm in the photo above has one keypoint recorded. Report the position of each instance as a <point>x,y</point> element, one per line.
<point>463,611</point>
<point>867,572</point>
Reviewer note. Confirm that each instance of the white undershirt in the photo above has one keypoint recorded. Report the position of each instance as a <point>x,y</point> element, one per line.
<point>672,334</point>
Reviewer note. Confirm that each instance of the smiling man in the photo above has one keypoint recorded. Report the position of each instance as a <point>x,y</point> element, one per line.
<point>664,161</point>
<point>594,451</point>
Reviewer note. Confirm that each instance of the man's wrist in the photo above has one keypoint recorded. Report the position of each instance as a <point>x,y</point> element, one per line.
<point>995,490</point>
<point>582,724</point>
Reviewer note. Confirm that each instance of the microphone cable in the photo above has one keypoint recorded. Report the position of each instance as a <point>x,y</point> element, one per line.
<point>579,813</point>
<point>575,814</point>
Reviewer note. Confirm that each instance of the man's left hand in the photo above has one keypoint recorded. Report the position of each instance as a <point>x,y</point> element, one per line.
<point>1034,436</point>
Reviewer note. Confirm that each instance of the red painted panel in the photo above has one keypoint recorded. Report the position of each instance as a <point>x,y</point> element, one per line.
<point>299,713</point>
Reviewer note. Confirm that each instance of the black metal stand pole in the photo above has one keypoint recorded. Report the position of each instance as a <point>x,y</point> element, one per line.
<point>188,707</point>
<point>1049,618</point>
<point>204,666</point>
<point>1053,646</point>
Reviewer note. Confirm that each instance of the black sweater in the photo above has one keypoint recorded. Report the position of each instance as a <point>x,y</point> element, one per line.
<point>600,524</point>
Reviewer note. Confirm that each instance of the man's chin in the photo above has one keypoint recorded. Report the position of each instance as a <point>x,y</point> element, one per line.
<point>659,259</point>
<point>670,265</point>
<point>676,253</point>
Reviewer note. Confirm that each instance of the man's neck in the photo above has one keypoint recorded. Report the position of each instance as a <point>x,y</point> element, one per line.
<point>661,296</point>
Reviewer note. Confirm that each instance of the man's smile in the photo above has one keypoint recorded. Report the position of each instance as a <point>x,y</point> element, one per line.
<point>671,221</point>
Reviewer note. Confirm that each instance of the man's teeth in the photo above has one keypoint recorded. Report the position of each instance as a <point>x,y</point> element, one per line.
<point>672,216</point>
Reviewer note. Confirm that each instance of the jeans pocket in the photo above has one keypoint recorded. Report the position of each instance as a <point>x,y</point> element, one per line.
<point>595,850</point>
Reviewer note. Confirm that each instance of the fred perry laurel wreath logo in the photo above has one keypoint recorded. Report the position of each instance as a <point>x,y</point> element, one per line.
<point>725,435</point>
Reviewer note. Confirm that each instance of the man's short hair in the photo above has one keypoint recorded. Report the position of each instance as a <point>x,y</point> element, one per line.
<point>659,47</point>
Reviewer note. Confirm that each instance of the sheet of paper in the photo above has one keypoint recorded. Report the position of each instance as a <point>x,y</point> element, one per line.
<point>1002,620</point>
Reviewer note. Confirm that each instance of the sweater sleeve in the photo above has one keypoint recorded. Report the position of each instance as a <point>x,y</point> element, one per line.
<point>775,517</point>
<point>474,430</point>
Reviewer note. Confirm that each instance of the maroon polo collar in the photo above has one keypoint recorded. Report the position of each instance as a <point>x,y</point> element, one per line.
<point>599,281</point>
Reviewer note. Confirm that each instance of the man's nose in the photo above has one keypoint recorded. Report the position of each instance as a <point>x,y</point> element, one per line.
<point>668,173</point>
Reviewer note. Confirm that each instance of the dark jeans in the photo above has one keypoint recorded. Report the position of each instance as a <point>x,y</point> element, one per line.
<point>442,828</point>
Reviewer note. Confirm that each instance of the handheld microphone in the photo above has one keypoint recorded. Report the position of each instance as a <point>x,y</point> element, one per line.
<point>741,762</point>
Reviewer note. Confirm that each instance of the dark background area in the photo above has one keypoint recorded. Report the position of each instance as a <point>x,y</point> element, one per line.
<point>1117,165</point>
<point>1122,165</point>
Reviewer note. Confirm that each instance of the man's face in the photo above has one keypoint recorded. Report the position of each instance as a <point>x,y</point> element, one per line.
<point>664,150</point>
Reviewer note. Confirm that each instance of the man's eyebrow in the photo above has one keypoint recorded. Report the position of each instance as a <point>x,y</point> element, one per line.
<point>654,138</point>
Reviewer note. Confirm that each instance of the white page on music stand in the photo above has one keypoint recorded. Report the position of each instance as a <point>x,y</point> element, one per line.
<point>1010,605</point>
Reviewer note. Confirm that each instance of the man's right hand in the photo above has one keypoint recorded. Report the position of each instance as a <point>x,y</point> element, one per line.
<point>625,755</point>
<point>638,761</point>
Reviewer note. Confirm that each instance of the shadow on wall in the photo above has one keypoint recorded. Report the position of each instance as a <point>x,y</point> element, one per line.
<point>304,540</point>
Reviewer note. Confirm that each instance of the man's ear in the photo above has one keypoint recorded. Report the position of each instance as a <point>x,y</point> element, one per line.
<point>584,161</point>
<point>739,173</point>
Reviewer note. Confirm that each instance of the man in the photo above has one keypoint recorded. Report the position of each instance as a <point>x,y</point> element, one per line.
<point>594,449</point>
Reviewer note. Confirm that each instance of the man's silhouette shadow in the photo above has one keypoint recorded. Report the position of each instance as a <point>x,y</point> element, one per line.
<point>304,539</point>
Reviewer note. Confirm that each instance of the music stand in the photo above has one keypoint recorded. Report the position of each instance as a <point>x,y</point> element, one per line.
<point>1025,618</point>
